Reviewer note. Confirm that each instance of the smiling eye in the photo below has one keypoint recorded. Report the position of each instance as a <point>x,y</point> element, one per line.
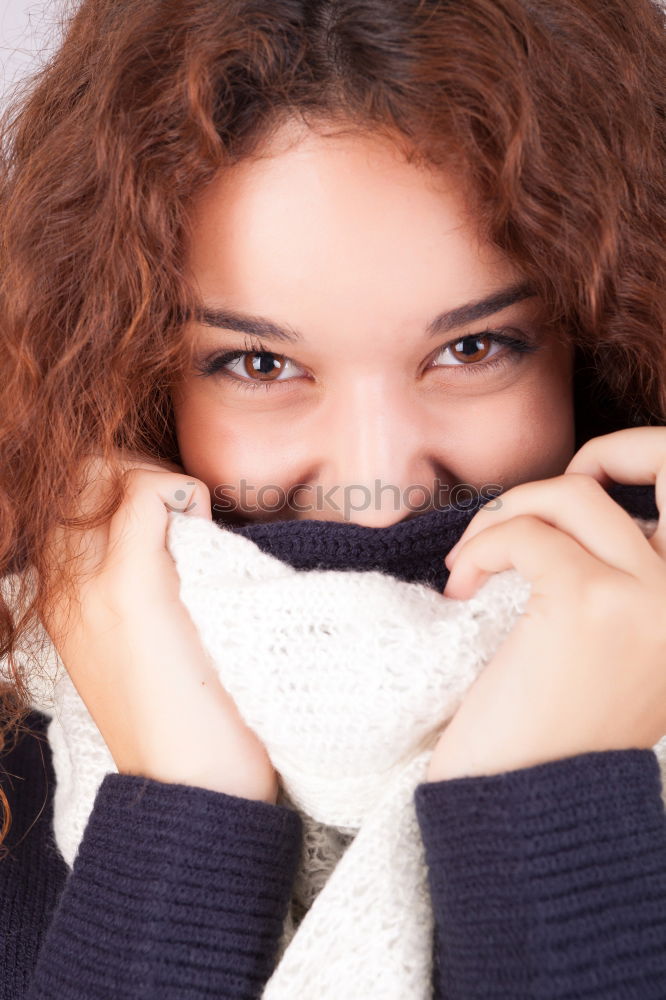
<point>252,368</point>
<point>256,367</point>
<point>263,366</point>
<point>473,349</point>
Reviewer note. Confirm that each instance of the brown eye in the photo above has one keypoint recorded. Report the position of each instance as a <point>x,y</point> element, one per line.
<point>256,367</point>
<point>264,364</point>
<point>481,353</point>
<point>471,348</point>
<point>253,368</point>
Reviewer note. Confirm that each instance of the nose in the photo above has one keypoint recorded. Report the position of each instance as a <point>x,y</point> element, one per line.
<point>376,464</point>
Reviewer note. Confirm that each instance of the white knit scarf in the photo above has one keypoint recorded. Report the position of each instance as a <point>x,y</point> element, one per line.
<point>348,678</point>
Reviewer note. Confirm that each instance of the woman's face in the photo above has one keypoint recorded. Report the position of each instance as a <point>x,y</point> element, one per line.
<point>365,407</point>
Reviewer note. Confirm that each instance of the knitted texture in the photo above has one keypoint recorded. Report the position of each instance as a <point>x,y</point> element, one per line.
<point>411,550</point>
<point>549,881</point>
<point>177,892</point>
<point>348,678</point>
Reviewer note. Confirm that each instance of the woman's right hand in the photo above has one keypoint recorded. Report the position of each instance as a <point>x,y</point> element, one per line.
<point>130,646</point>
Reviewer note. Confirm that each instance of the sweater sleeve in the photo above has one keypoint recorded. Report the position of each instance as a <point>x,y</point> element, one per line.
<point>549,882</point>
<point>176,892</point>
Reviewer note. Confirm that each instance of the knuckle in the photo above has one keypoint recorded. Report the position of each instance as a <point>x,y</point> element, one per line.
<point>524,494</point>
<point>587,447</point>
<point>511,498</point>
<point>176,492</point>
<point>594,444</point>
<point>583,483</point>
<point>528,524</point>
<point>138,460</point>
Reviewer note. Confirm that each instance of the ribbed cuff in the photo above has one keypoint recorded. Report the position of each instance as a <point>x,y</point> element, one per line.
<point>176,891</point>
<point>549,881</point>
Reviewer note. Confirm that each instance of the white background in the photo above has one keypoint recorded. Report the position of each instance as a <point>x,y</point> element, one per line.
<point>28,33</point>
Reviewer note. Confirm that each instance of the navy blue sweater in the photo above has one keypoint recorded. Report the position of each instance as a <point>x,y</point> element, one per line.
<point>546,882</point>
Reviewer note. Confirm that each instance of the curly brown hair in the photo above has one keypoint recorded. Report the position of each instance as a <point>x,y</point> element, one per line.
<point>550,112</point>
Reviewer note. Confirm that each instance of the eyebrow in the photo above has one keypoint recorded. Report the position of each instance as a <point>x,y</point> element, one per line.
<point>470,312</point>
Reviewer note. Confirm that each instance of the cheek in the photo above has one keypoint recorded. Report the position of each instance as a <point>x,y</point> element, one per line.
<point>515,436</point>
<point>221,444</point>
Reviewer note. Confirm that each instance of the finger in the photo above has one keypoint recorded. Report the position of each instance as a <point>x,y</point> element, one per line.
<point>633,455</point>
<point>551,560</point>
<point>137,460</point>
<point>181,497</point>
<point>90,548</point>
<point>140,524</point>
<point>578,506</point>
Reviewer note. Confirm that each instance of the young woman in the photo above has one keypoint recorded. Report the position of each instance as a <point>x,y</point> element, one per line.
<point>256,256</point>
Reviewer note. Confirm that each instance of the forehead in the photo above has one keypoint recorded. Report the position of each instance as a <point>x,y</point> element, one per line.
<point>324,193</point>
<point>341,226</point>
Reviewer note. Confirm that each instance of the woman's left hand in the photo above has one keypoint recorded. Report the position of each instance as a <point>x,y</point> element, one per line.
<point>584,668</point>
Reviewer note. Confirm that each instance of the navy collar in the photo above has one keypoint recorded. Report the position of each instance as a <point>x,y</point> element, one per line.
<point>412,550</point>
